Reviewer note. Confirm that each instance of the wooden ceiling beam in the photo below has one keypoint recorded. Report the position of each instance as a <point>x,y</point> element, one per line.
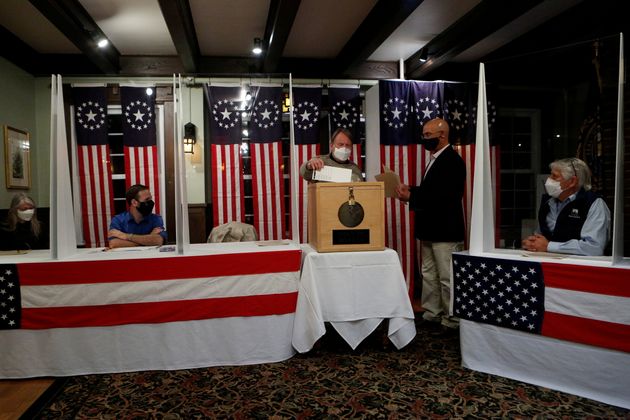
<point>383,19</point>
<point>282,13</point>
<point>486,18</point>
<point>181,26</point>
<point>77,25</point>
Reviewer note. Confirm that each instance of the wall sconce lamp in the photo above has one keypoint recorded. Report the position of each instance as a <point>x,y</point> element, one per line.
<point>257,46</point>
<point>190,137</point>
<point>286,104</point>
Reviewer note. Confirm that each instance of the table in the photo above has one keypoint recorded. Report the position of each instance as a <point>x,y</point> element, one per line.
<point>142,309</point>
<point>594,372</point>
<point>355,292</point>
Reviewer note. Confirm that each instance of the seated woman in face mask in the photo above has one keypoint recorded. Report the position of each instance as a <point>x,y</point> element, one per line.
<point>21,230</point>
<point>339,157</point>
<point>572,219</point>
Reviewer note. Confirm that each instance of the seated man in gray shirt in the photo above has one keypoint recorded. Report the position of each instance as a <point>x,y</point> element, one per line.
<point>572,219</point>
<point>339,157</point>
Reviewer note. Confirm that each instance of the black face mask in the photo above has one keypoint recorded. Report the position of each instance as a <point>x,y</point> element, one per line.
<point>146,207</point>
<point>430,144</point>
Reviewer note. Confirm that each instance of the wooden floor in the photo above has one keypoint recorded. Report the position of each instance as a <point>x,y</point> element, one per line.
<point>17,395</point>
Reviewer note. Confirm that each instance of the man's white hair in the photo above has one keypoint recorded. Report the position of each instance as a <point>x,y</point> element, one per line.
<point>569,167</point>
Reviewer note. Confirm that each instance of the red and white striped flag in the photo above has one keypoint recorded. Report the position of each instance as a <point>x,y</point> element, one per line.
<point>467,152</point>
<point>226,170</point>
<point>400,154</point>
<point>141,167</point>
<point>95,174</point>
<point>399,222</point>
<point>268,190</point>
<point>227,184</point>
<point>304,153</point>
<point>355,156</point>
<point>267,163</point>
<point>102,293</point>
<point>306,112</point>
<point>139,140</point>
<point>584,304</point>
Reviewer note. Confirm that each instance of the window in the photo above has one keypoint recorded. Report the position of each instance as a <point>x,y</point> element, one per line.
<point>518,134</point>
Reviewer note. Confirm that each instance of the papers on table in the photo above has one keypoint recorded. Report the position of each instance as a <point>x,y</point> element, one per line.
<point>273,243</point>
<point>333,174</point>
<point>15,252</point>
<point>544,254</point>
<point>131,248</point>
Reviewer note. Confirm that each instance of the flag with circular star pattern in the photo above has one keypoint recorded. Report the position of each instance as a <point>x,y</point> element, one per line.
<point>140,141</point>
<point>93,157</point>
<point>307,103</point>
<point>265,126</point>
<point>226,160</point>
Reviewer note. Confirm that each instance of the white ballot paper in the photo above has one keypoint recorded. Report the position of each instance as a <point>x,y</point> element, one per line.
<point>333,174</point>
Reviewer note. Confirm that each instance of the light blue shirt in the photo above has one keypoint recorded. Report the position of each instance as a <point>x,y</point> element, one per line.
<point>595,232</point>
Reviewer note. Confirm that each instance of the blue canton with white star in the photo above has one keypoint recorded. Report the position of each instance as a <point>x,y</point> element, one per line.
<point>10,297</point>
<point>505,293</point>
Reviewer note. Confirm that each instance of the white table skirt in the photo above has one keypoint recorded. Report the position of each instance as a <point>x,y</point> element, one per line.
<point>131,348</point>
<point>355,292</point>
<point>587,371</point>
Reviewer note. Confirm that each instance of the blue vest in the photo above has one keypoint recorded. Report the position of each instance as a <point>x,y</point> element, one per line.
<point>571,218</point>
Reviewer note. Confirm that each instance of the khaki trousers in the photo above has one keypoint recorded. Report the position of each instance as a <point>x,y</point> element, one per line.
<point>436,280</point>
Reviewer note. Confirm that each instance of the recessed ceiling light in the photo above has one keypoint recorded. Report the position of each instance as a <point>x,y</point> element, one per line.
<point>257,46</point>
<point>103,43</point>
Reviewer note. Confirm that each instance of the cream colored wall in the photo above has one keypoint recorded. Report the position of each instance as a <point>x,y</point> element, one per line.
<point>195,162</point>
<point>17,109</point>
<point>42,124</point>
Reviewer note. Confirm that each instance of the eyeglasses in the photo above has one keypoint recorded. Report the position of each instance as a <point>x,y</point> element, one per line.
<point>573,166</point>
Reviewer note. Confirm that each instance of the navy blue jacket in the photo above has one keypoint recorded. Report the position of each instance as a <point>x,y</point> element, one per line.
<point>437,201</point>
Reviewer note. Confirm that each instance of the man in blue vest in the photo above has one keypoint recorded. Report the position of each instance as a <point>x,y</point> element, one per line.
<point>572,219</point>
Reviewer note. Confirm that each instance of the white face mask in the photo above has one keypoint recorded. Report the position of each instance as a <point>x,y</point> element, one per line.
<point>25,215</point>
<point>342,154</point>
<point>553,188</point>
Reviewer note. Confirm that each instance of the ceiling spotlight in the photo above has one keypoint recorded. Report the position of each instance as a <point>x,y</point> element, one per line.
<point>102,43</point>
<point>424,55</point>
<point>257,46</point>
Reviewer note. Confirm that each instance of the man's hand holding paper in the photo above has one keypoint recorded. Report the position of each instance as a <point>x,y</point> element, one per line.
<point>333,174</point>
<point>391,181</point>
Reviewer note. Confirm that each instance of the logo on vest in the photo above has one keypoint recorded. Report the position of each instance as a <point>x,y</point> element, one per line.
<point>575,214</point>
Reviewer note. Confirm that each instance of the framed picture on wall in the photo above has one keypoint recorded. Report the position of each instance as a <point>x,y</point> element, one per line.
<point>17,158</point>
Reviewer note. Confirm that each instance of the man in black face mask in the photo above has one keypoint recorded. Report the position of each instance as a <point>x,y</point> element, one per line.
<point>439,219</point>
<point>139,226</point>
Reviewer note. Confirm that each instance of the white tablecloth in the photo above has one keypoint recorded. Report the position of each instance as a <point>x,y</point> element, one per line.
<point>355,292</point>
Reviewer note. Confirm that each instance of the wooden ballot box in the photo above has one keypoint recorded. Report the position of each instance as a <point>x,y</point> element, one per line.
<point>348,216</point>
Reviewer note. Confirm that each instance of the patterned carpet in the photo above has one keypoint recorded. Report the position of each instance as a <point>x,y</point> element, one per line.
<point>424,380</point>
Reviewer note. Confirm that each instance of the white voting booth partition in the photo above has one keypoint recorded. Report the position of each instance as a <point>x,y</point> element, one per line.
<point>590,371</point>
<point>86,311</point>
